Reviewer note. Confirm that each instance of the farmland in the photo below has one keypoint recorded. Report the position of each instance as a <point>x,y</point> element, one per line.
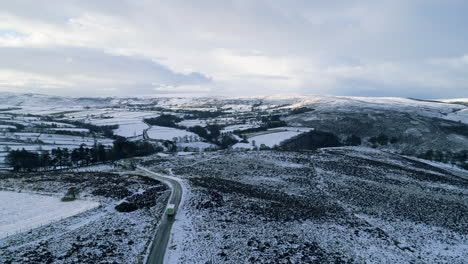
<point>25,211</point>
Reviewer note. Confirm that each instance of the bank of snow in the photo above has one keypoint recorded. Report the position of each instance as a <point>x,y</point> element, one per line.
<point>23,211</point>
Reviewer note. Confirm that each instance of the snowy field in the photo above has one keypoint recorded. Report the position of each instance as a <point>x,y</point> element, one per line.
<point>23,211</point>
<point>117,117</point>
<point>196,146</point>
<point>101,235</point>
<point>272,137</point>
<point>192,123</point>
<point>6,127</point>
<point>56,139</point>
<point>237,107</point>
<point>58,124</point>
<point>461,116</point>
<point>79,130</point>
<point>132,129</point>
<point>168,133</point>
<point>238,127</point>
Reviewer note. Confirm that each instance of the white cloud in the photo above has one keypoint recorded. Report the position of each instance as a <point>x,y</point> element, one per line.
<point>458,63</point>
<point>252,63</point>
<point>249,47</point>
<point>18,79</point>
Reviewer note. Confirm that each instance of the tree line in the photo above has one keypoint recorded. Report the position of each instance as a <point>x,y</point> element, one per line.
<point>23,160</point>
<point>459,158</point>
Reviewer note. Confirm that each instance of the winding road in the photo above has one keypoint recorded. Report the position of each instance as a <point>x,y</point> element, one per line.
<point>160,241</point>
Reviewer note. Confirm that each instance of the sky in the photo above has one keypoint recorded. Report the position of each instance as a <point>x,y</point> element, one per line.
<point>403,48</point>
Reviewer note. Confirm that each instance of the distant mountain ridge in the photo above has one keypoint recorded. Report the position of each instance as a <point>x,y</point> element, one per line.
<point>9,98</point>
<point>415,124</point>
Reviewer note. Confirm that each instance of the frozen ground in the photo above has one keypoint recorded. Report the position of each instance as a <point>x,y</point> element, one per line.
<point>238,127</point>
<point>192,123</point>
<point>337,205</point>
<point>196,146</point>
<point>99,235</point>
<point>131,129</point>
<point>272,137</point>
<point>23,211</point>
<point>168,133</point>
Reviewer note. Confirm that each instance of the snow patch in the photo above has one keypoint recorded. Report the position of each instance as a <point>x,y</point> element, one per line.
<point>23,211</point>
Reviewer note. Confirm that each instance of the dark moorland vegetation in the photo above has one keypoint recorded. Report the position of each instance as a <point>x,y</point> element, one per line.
<point>312,140</point>
<point>300,110</point>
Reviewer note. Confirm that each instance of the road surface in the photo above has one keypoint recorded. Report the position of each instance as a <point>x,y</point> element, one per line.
<point>160,241</point>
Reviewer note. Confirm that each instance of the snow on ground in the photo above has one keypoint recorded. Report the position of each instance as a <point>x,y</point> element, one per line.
<point>181,229</point>
<point>45,142</point>
<point>23,211</point>
<point>58,124</point>
<point>192,123</point>
<point>38,147</point>
<point>237,107</point>
<point>91,168</point>
<point>332,206</point>
<point>72,140</point>
<point>101,235</point>
<point>238,127</point>
<point>117,117</point>
<point>461,116</point>
<point>132,129</point>
<point>19,122</point>
<point>350,104</point>
<point>79,130</point>
<point>20,136</point>
<point>45,109</point>
<point>56,139</point>
<point>196,146</point>
<point>2,158</point>
<point>6,127</point>
<point>272,137</point>
<point>294,129</point>
<point>168,133</point>
<point>456,100</point>
<point>242,145</point>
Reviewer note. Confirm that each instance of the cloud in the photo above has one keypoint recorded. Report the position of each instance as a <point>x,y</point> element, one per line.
<point>73,68</point>
<point>13,80</point>
<point>237,47</point>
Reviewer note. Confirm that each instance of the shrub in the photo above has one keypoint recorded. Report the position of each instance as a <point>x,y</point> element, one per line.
<point>126,207</point>
<point>164,120</point>
<point>71,195</point>
<point>353,140</point>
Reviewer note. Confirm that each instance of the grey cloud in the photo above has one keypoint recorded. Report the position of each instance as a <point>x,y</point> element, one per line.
<point>306,34</point>
<point>118,72</point>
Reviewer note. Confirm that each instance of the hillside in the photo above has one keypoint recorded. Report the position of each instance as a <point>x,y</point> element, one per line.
<point>337,205</point>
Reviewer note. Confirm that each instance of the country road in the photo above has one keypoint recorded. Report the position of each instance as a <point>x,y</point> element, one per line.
<point>160,241</point>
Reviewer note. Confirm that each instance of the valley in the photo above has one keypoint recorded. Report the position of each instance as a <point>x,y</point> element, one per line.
<point>300,179</point>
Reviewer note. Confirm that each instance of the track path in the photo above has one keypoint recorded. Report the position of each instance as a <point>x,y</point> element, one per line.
<point>160,241</point>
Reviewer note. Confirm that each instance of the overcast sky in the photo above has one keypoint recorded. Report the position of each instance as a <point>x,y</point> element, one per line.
<point>406,48</point>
